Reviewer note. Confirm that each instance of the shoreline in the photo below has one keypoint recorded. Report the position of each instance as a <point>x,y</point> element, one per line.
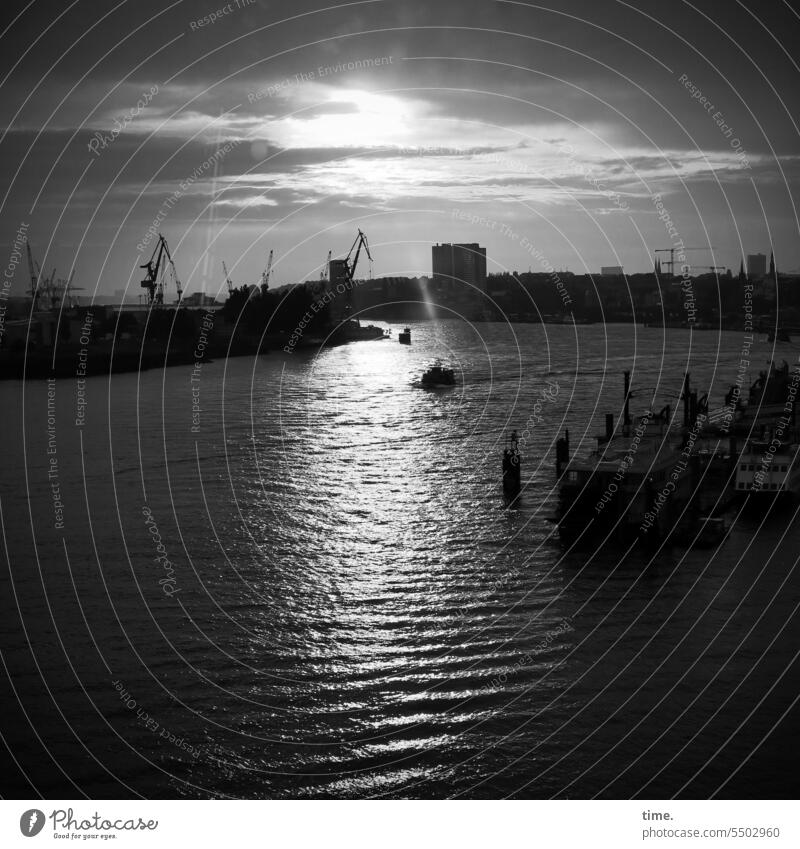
<point>125,358</point>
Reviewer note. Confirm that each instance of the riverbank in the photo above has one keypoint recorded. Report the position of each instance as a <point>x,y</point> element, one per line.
<point>108,357</point>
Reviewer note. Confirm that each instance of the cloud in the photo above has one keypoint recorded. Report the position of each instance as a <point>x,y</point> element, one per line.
<point>474,105</point>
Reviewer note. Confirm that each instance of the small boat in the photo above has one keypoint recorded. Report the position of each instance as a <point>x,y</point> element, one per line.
<point>353,330</point>
<point>438,375</point>
<point>405,337</point>
<point>512,465</point>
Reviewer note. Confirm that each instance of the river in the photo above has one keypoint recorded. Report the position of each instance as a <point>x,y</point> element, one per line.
<point>297,575</point>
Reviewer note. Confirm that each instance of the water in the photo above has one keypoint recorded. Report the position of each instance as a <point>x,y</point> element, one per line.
<point>353,609</point>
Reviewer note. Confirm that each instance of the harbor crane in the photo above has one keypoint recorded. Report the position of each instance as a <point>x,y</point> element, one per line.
<point>317,287</point>
<point>227,277</point>
<point>266,273</point>
<point>324,274</point>
<point>160,263</point>
<point>49,290</point>
<point>671,251</point>
<point>61,290</point>
<point>350,268</point>
<point>35,273</point>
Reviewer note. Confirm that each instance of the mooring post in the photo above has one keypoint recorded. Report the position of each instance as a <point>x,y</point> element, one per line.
<point>686,391</point>
<point>562,454</point>
<point>626,421</point>
<point>512,465</point>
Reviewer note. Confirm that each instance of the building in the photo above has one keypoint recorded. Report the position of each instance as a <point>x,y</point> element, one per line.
<point>611,271</point>
<point>198,299</point>
<point>459,264</point>
<point>756,265</point>
<point>341,304</point>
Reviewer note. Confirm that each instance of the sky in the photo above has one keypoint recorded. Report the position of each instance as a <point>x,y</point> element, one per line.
<point>574,134</point>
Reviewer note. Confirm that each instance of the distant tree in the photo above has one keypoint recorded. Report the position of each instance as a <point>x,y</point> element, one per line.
<point>236,302</point>
<point>124,322</point>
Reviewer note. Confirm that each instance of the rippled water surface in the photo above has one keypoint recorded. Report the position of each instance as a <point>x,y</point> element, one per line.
<point>357,610</point>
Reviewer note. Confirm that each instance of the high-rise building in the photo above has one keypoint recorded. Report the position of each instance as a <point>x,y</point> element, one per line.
<point>455,265</point>
<point>756,265</point>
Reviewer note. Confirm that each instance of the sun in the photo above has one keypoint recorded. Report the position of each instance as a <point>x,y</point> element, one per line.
<point>348,118</point>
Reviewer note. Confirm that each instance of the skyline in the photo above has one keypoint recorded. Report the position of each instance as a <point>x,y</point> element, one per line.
<point>411,123</point>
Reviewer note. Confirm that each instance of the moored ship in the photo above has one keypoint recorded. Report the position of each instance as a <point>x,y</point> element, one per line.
<point>769,469</point>
<point>768,462</point>
<point>644,480</point>
<point>648,482</point>
<point>352,330</point>
<point>630,488</point>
